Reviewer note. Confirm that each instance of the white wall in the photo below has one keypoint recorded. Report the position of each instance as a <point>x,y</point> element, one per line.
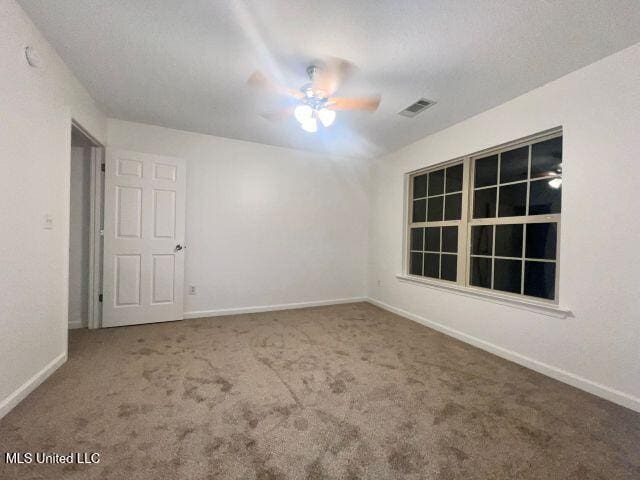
<point>265,225</point>
<point>597,349</point>
<point>36,107</point>
<point>79,230</point>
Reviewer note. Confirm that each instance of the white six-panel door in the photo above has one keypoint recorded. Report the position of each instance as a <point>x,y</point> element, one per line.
<point>144,208</point>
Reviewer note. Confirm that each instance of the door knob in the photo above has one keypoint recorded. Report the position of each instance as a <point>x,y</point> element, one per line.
<point>178,248</point>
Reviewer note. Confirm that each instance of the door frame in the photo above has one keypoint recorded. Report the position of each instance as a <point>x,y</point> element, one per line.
<point>94,311</point>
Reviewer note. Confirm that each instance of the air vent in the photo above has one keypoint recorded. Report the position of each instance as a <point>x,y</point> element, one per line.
<point>416,108</point>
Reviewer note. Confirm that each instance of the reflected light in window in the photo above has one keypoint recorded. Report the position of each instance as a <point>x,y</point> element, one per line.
<point>555,183</point>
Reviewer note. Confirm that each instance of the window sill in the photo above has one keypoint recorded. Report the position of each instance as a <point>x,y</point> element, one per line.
<point>522,304</point>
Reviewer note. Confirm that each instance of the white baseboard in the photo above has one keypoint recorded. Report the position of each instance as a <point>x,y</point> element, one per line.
<point>270,308</point>
<point>74,325</point>
<point>30,385</point>
<point>608,393</point>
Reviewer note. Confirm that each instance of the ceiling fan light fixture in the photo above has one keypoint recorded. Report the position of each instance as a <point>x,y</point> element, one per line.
<point>310,125</point>
<point>326,116</point>
<point>303,113</point>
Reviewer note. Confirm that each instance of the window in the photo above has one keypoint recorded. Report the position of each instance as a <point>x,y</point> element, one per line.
<point>490,221</point>
<point>436,220</point>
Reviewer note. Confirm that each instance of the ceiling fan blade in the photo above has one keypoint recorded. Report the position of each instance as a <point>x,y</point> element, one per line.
<point>346,103</point>
<point>331,74</point>
<point>278,115</point>
<point>260,80</point>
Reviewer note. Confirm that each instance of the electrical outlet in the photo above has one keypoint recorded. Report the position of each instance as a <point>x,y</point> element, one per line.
<point>193,290</point>
<point>379,283</point>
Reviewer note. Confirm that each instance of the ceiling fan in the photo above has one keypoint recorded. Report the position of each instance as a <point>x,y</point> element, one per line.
<point>314,101</point>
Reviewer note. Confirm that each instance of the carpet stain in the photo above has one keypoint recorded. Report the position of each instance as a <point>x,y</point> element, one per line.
<point>584,473</point>
<point>225,385</point>
<point>284,410</point>
<point>183,432</point>
<point>457,453</point>
<point>250,417</point>
<point>127,410</point>
<point>537,436</point>
<point>301,424</point>
<point>213,446</point>
<point>338,386</point>
<point>315,471</point>
<point>148,351</point>
<point>81,423</point>
<point>269,473</point>
<point>147,374</point>
<point>405,459</point>
<point>191,393</point>
<point>449,410</point>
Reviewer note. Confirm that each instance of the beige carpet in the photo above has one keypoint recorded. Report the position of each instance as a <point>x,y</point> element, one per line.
<point>342,392</point>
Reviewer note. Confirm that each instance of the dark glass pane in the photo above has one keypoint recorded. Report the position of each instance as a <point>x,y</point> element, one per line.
<point>480,275</point>
<point>449,267</point>
<point>509,240</point>
<point>436,182</point>
<point>546,158</point>
<point>541,240</point>
<point>432,265</point>
<point>484,203</point>
<point>507,275</point>
<point>513,200</point>
<point>514,165</point>
<point>540,279</point>
<point>486,171</point>
<point>415,263</point>
<point>544,197</point>
<point>432,241</point>
<point>417,239</point>
<point>481,240</point>
<point>419,210</point>
<point>420,186</point>
<point>434,213</point>
<point>450,239</point>
<point>453,206</point>
<point>454,178</point>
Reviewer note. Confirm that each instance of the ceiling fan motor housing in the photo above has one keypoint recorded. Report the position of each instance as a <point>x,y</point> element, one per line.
<point>312,99</point>
<point>312,71</point>
<point>316,99</point>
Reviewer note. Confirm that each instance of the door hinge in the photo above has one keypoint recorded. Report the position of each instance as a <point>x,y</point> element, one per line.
<point>102,167</point>
<point>100,298</point>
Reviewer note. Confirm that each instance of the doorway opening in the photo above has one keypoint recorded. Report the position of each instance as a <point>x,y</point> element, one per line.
<point>85,229</point>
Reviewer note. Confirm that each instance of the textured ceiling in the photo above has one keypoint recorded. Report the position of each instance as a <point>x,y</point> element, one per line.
<point>184,64</point>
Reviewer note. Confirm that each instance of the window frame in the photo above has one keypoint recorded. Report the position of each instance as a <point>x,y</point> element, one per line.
<point>442,223</point>
<point>467,221</point>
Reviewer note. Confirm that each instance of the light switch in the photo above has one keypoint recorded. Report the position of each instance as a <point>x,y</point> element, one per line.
<point>48,222</point>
